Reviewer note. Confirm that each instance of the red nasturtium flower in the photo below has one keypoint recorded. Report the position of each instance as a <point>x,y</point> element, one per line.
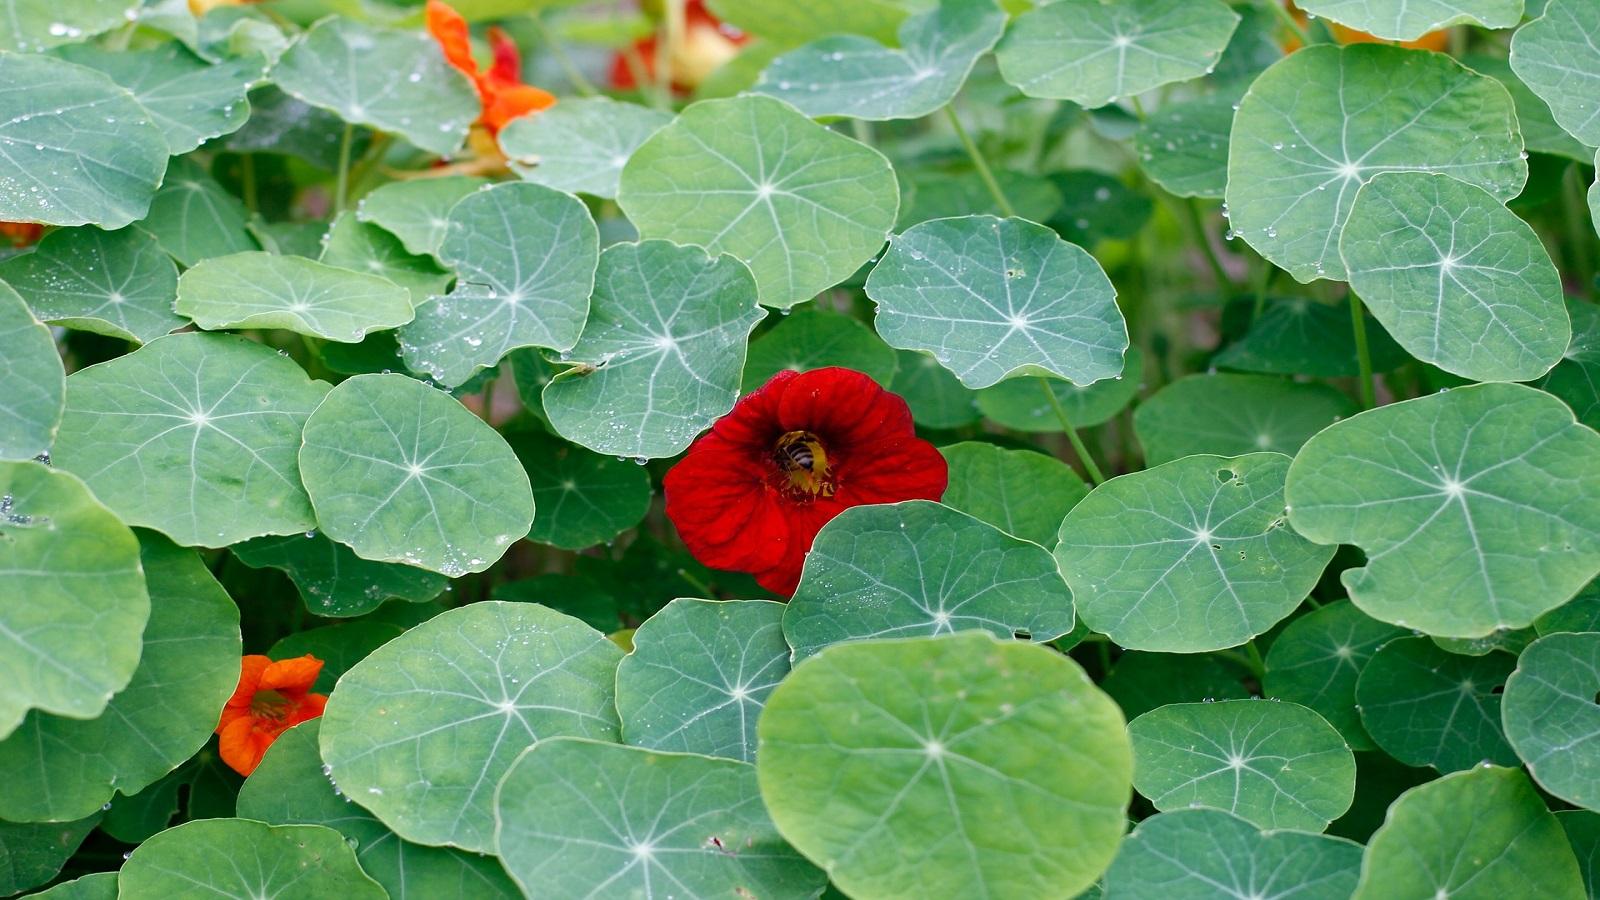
<point>705,43</point>
<point>271,698</point>
<point>752,493</point>
<point>501,90</point>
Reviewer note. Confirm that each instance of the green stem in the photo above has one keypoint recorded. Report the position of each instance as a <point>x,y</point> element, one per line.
<point>247,180</point>
<point>1579,237</point>
<point>862,129</point>
<point>979,163</point>
<point>1287,20</point>
<point>697,584</point>
<point>1363,357</point>
<point>579,83</point>
<point>342,185</point>
<point>363,168</point>
<point>1072,433</point>
<point>1138,108</point>
<point>1262,282</point>
<point>1104,648</point>
<point>1225,284</point>
<point>1258,666</point>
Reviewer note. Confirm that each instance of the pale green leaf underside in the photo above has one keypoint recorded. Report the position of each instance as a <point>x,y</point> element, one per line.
<point>752,177</point>
<point>193,435</point>
<point>423,747</point>
<point>1426,707</point>
<point>1551,717</point>
<point>1316,126</point>
<point>403,473</point>
<point>332,580</point>
<point>240,858</point>
<point>1558,57</point>
<point>1478,509</point>
<point>265,290</point>
<point>579,146</point>
<point>32,381</point>
<point>1094,53</point>
<point>1407,20</point>
<point>1229,414</point>
<point>1021,492</point>
<point>661,356</point>
<point>117,283</point>
<point>990,298</point>
<point>30,25</point>
<point>1316,660</point>
<point>417,211</point>
<point>1459,280</point>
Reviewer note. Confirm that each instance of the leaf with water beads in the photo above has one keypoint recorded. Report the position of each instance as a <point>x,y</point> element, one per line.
<point>361,247</point>
<point>1551,717</point>
<point>1227,414</point>
<point>117,283</point>
<point>1557,57</point>
<point>32,381</point>
<point>1184,146</point>
<point>265,290</point>
<point>417,211</point>
<point>29,27</point>
<point>333,581</point>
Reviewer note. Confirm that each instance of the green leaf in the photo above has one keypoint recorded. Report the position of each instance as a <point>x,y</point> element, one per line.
<point>1140,681</point>
<point>1232,414</point>
<point>850,75</point>
<point>1539,129</point>
<point>1299,336</point>
<point>579,146</point>
<point>75,602</point>
<point>403,473</point>
<point>358,246</point>
<point>580,596</point>
<point>61,769</point>
<point>79,149</point>
<point>1581,613</point>
<point>193,435</point>
<point>189,99</point>
<point>1407,20</point>
<point>1276,765</point>
<point>243,858</point>
<point>992,298</point>
<point>1094,53</point>
<point>340,646</point>
<point>699,675</point>
<point>1184,146</point>
<point>1317,659</point>
<point>940,194</point>
<point>194,219</point>
<point>1478,509</point>
<point>1189,556</point>
<point>133,818</point>
<point>31,26</point>
<point>1474,835</point>
<point>1024,405</point>
<point>661,355</point>
<point>1427,707</point>
<point>1200,854</point>
<point>1551,717</point>
<point>752,177</point>
<point>525,256</point>
<point>581,818</point>
<point>98,886</point>
<point>417,211</point>
<point>33,854</point>
<point>583,498</point>
<point>334,581</point>
<point>32,381</point>
<point>264,290</point>
<point>1316,126</point>
<point>1557,58</point>
<point>1583,832</point>
<point>1576,379</point>
<point>421,731</point>
<point>814,338</point>
<point>937,398</point>
<point>939,755</point>
<point>289,788</point>
<point>1457,278</point>
<point>921,568</point>
<point>117,283</point>
<point>355,70</point>
<point>281,124</point>
<point>1023,493</point>
<point>784,23</point>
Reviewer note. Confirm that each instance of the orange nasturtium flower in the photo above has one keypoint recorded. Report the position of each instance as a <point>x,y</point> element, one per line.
<point>21,234</point>
<point>271,698</point>
<point>501,90</point>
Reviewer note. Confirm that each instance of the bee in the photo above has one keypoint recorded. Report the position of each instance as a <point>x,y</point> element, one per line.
<point>798,455</point>
<point>801,457</point>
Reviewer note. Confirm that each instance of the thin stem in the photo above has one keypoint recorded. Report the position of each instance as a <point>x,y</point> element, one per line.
<point>1203,240</point>
<point>362,170</point>
<point>979,163</point>
<point>1263,281</point>
<point>1072,434</point>
<point>574,76</point>
<point>1258,666</point>
<point>1138,108</point>
<point>697,584</point>
<point>1288,21</point>
<point>862,129</point>
<point>342,185</point>
<point>1363,357</point>
<point>247,180</point>
<point>1579,237</point>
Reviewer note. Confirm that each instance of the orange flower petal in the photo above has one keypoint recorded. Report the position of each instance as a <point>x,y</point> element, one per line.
<point>309,708</point>
<point>450,30</point>
<point>239,747</point>
<point>296,674</point>
<point>511,102</point>
<point>250,669</point>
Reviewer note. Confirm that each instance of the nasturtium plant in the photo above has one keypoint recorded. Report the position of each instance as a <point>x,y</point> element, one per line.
<point>920,449</point>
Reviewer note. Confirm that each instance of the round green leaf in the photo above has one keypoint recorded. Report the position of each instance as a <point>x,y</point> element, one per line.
<point>1583,831</point>
<point>937,193</point>
<point>339,646</point>
<point>1140,681</point>
<point>421,730</point>
<point>289,788</point>
<point>401,472</point>
<point>699,675</point>
<point>355,70</point>
<point>1316,126</point>
<point>922,568</point>
<point>1459,280</point>
<point>937,398</point>
<point>194,435</point>
<point>1316,660</point>
<point>1190,556</point>
<point>283,125</point>
<point>334,581</point>
<point>79,149</point>
<point>353,244</point>
<point>526,257</point>
<point>1094,53</point>
<point>892,764</point>
<point>98,886</point>
<point>264,290</point>
<point>814,338</point>
<point>1427,707</point>
<point>1299,336</point>
<point>75,602</point>
<point>194,218</point>
<point>59,769</point>
<point>1478,508</point>
<point>33,854</point>
<point>1276,765</point>
<point>581,818</point>
<point>32,381</point>
<point>1184,146</point>
<point>661,355</point>
<point>31,26</point>
<point>579,146</point>
<point>1097,207</point>
<point>1551,716</point>
<point>1576,379</point>
<point>784,23</point>
<point>1023,404</point>
<point>849,75</point>
<point>1201,854</point>
<point>991,298</point>
<point>241,858</point>
<point>1407,20</point>
<point>583,498</point>
<point>417,211</point>
<point>752,177</point>
<point>1557,57</point>
<point>1023,493</point>
<point>1539,129</point>
<point>117,283</point>
<point>1482,834</point>
<point>1229,414</point>
<point>1581,613</point>
<point>189,99</point>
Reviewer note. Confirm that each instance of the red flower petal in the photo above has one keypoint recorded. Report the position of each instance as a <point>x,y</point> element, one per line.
<point>450,30</point>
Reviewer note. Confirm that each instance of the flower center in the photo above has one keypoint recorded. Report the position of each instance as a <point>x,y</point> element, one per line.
<point>270,705</point>
<point>804,463</point>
